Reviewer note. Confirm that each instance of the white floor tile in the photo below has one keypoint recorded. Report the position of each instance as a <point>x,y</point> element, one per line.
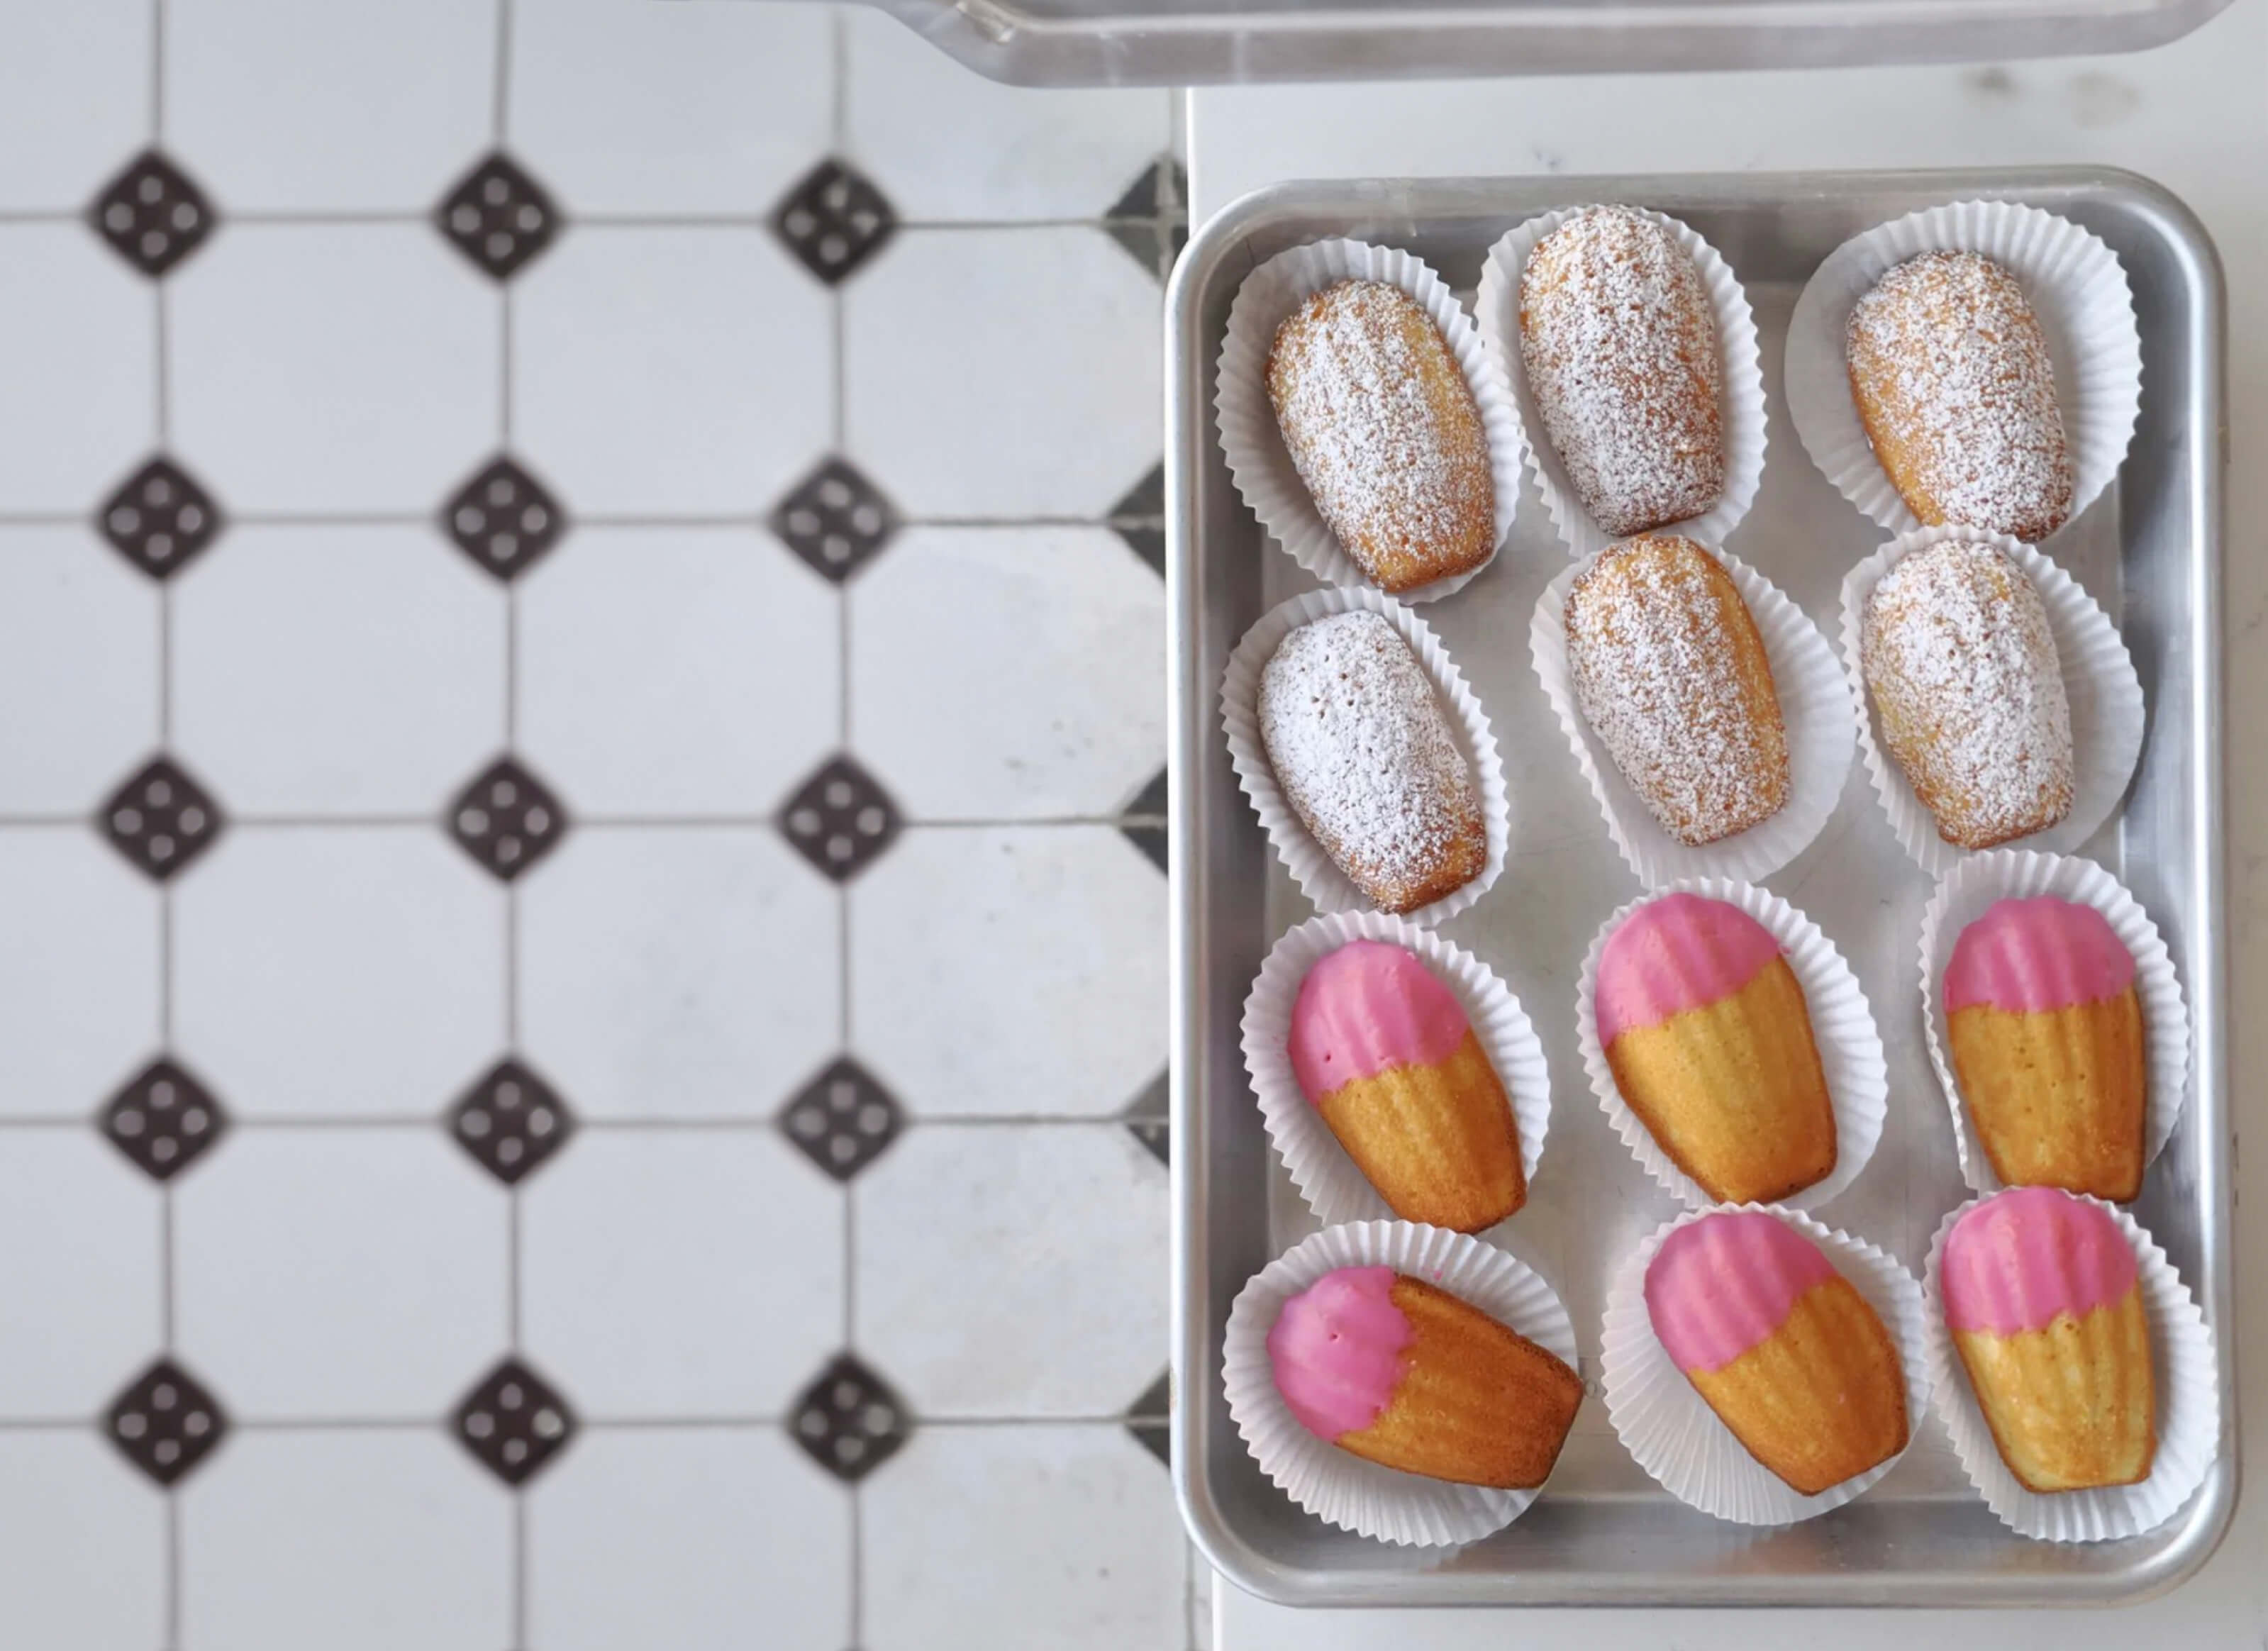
<point>352,105</point>
<point>1010,971</point>
<point>74,99</point>
<point>79,401</point>
<point>82,1544</point>
<point>78,665</point>
<point>1007,672</point>
<point>669,108</point>
<point>1014,1270</point>
<point>943,142</point>
<point>677,972</point>
<point>78,978</point>
<point>365,1541</point>
<point>339,1273</point>
<point>79,1311</point>
<point>1021,1539</point>
<point>672,372</point>
<point>333,367</point>
<point>704,1539</point>
<point>1043,343</point>
<point>686,670</point>
<point>322,670</point>
<point>681,1273</point>
<point>305,960</point>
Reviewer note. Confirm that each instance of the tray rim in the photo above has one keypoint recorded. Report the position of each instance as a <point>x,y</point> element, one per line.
<point>1188,371</point>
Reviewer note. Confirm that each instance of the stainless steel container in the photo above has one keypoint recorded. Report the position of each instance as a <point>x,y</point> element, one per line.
<point>2149,550</point>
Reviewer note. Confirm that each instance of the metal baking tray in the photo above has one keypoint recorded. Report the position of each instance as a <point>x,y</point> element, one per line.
<point>2149,549</point>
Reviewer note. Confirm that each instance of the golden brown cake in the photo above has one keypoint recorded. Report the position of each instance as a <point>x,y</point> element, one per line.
<point>1783,1347</point>
<point>1670,674</point>
<point>1706,1031</point>
<point>1383,428</point>
<point>1950,373</point>
<point>2046,1035</point>
<point>2045,1301</point>
<point>1401,1373</point>
<point>1620,348</point>
<point>1968,691</point>
<point>1384,1053</point>
<point>1368,762</point>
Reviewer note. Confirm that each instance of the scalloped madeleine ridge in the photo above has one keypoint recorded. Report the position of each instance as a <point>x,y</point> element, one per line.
<point>1723,1283</point>
<point>1680,952</point>
<point>1366,1008</point>
<point>2029,956</point>
<point>2022,1258</point>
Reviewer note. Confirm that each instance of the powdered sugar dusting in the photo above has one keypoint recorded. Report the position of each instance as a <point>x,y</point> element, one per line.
<point>1367,759</point>
<point>1968,692</point>
<point>1385,433</point>
<point>1951,375</point>
<point>1670,674</point>
<point>1621,353</point>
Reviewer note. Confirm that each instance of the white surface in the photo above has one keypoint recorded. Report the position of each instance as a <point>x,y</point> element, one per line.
<point>78,401</point>
<point>82,1544</point>
<point>322,1273</point>
<point>345,367</point>
<point>644,1538</point>
<point>78,979</point>
<point>82,1242</point>
<point>1010,971</point>
<point>68,119</point>
<point>78,638</point>
<point>338,670</point>
<point>676,670</point>
<point>300,956</point>
<point>677,972</point>
<point>671,1314</point>
<point>366,1541</point>
<point>978,309</point>
<point>1042,648</point>
<point>2192,117</point>
<point>966,1285</point>
<point>673,370</point>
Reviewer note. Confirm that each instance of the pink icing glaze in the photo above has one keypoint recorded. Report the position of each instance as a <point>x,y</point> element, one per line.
<point>1678,953</point>
<point>2031,955</point>
<point>1366,1008</point>
<point>1338,1350</point>
<point>2023,1256</point>
<point>1722,1284</point>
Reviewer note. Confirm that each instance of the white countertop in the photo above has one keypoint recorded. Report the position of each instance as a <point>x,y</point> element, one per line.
<point>2194,115</point>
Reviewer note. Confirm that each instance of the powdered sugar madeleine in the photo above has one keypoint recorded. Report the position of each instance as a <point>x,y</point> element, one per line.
<point>1367,759</point>
<point>1385,433</point>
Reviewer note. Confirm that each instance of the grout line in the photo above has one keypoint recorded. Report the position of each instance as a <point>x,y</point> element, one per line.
<point>1118,1418</point>
<point>156,72</point>
<point>843,621</point>
<point>511,665</point>
<point>40,214</point>
<point>837,332</point>
<point>340,1424</point>
<point>511,1269</point>
<point>39,518</point>
<point>301,822</point>
<point>503,106</point>
<point>304,1121</point>
<point>282,219</point>
<point>326,518</point>
<point>49,1424</point>
<point>165,965</point>
<point>172,1569</point>
<point>166,1266</point>
<point>858,1567</point>
<point>839,68</point>
<point>511,966</point>
<point>520,1571</point>
<point>165,663</point>
<point>504,346</point>
<point>850,1265</point>
<point>164,336</point>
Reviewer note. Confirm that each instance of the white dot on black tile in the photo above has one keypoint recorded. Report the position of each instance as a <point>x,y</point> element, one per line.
<point>873,1120</point>
<point>465,220</point>
<point>842,1094</point>
<point>133,1424</point>
<point>480,1424</point>
<point>192,820</point>
<point>534,519</point>
<point>541,1121</point>
<point>165,1396</point>
<point>810,1425</point>
<point>549,1424</point>
<point>510,1153</point>
<point>161,849</point>
<point>157,793</point>
<point>474,1125</point>
<point>872,821</point>
<point>838,793</point>
<point>496,191</point>
<point>529,217</point>
<point>840,849</point>
<point>798,223</point>
<point>195,1121</point>
<point>503,547</point>
<point>515,1451</point>
<point>472,821</point>
<point>877,1418</point>
<point>167,1451</point>
<point>189,519</point>
<point>810,1125</point>
<point>127,821</point>
<point>867,519</point>
<point>507,850</point>
<point>502,793</point>
<point>834,493</point>
<point>184,216</point>
<point>849,1447</point>
<point>151,189</point>
<point>154,242</point>
<point>803,822</point>
<point>163,1151</point>
<point>833,249</point>
<point>843,1149</point>
<point>129,1124</point>
<point>511,1396</point>
<point>118,217</point>
<point>835,549</point>
<point>469,520</point>
<point>125,519</point>
<point>158,547</point>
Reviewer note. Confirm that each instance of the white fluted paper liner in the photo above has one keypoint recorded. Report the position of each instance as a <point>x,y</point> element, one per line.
<point>2107,711</point>
<point>1253,442</point>
<point>2078,289</point>
<point>1496,305</point>
<point>1961,897</point>
<point>1340,1488</point>
<point>1669,1427</point>
<point>1334,1189</point>
<point>2188,1383</point>
<point>1842,1029</point>
<point>1814,703</point>
<point>1319,879</point>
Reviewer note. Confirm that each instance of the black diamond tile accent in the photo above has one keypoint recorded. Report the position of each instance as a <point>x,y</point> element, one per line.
<point>1146,1418</point>
<point>1139,518</point>
<point>514,1422</point>
<point>836,519</point>
<point>506,819</point>
<point>166,1423</point>
<point>848,1421</point>
<point>503,519</point>
<point>1150,220</point>
<point>510,1122</point>
<point>159,518</point>
<point>843,1120</point>
<point>1149,1121</point>
<point>161,819</point>
<point>498,216</point>
<point>1144,824</point>
<point>151,214</point>
<point>840,818</point>
<point>833,221</point>
<point>165,1120</point>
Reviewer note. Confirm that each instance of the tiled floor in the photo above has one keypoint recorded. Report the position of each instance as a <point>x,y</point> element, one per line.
<point>582,1031</point>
